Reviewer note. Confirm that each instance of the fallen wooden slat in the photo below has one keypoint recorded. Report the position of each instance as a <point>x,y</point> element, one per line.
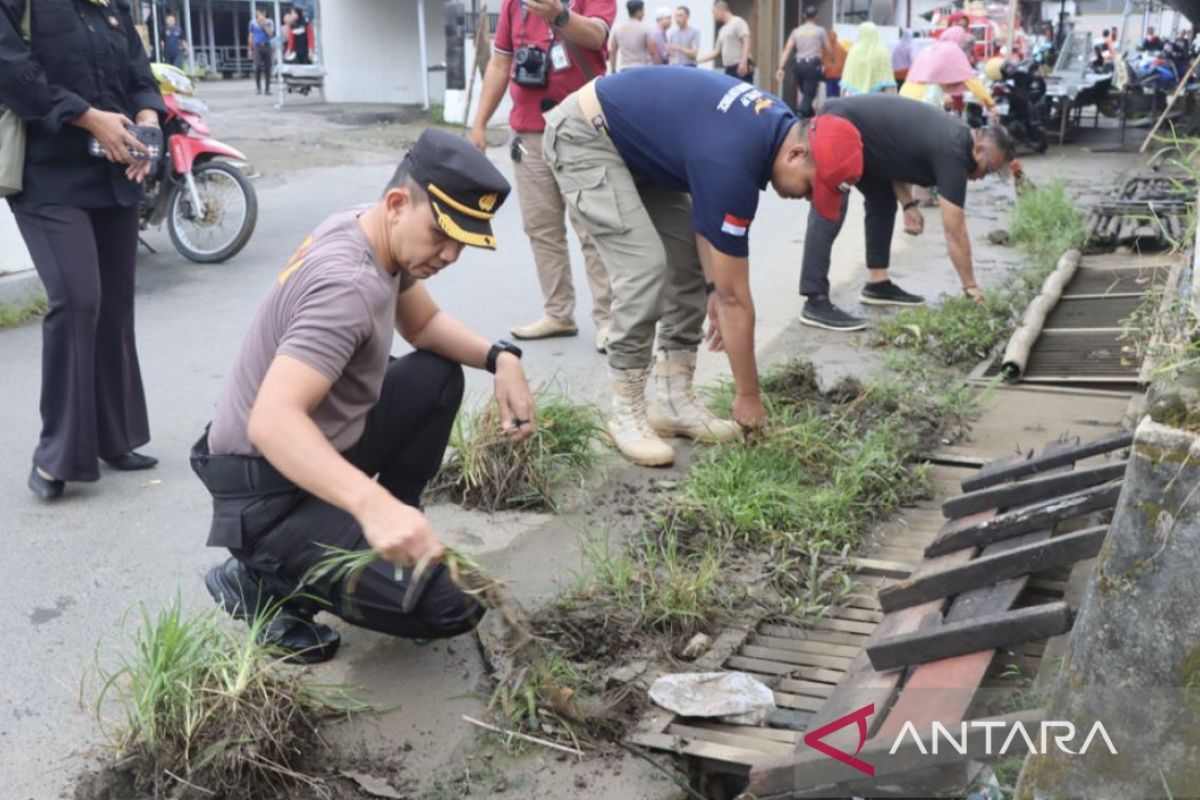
<point>1027,518</point>
<point>959,638</point>
<point>1066,549</point>
<point>734,759</point>
<point>812,771</point>
<point>823,648</point>
<point>1009,495</point>
<point>807,634</point>
<point>732,739</point>
<point>795,657</point>
<point>798,702</point>
<point>809,688</point>
<point>1049,460</point>
<point>781,668</point>
<point>873,566</point>
<point>844,625</point>
<point>786,735</point>
<point>856,614</point>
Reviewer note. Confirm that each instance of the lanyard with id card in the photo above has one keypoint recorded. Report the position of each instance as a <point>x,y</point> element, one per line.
<point>559,60</point>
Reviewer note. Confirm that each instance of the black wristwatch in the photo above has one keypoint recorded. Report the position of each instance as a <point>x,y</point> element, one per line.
<point>911,204</point>
<point>498,348</point>
<point>563,16</point>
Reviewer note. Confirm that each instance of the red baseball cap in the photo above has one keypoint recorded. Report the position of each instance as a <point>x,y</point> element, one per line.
<point>837,151</point>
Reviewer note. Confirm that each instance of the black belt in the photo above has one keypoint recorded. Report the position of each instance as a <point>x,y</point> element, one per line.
<point>237,476</point>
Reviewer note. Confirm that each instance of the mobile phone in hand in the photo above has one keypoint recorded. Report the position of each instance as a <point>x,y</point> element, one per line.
<point>149,135</point>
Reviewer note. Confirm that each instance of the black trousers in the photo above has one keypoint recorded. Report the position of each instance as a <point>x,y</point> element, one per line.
<point>263,56</point>
<point>808,75</point>
<point>279,532</point>
<point>880,200</point>
<point>748,77</point>
<point>93,404</point>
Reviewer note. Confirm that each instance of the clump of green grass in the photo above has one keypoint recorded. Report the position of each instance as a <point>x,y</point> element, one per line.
<point>1044,224</point>
<point>769,508</point>
<point>485,470</point>
<point>204,706</point>
<point>13,315</point>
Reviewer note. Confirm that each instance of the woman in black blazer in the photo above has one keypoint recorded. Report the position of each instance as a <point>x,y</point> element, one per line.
<point>83,74</point>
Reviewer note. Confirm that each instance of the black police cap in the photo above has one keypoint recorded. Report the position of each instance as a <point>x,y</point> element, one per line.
<point>464,188</point>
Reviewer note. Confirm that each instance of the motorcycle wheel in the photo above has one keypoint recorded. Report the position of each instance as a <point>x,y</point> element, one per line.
<point>221,229</point>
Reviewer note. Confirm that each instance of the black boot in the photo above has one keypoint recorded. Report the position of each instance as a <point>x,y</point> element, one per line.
<point>291,630</point>
<point>43,487</point>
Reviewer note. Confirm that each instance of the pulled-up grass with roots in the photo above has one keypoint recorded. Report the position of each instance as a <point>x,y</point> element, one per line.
<point>203,710</point>
<point>1045,223</point>
<point>485,470</point>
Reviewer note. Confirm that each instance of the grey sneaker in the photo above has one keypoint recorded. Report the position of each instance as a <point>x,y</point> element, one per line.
<point>820,313</point>
<point>886,293</point>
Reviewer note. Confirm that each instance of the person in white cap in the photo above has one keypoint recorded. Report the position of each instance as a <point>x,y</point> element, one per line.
<point>662,23</point>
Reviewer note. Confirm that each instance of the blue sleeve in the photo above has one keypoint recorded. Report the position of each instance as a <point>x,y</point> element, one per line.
<point>724,203</point>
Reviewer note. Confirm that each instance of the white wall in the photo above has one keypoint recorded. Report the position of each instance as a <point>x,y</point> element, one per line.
<point>372,54</point>
<point>13,255</point>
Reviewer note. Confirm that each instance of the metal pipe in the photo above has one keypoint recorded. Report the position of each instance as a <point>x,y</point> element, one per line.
<point>154,24</point>
<point>187,31</point>
<point>424,54</point>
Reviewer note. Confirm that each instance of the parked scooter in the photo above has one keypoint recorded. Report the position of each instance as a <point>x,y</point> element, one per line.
<point>208,203</point>
<point>1021,104</point>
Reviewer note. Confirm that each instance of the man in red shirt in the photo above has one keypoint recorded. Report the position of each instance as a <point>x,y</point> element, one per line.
<point>543,51</point>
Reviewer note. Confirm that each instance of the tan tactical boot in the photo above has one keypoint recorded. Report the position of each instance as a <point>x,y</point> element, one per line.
<point>545,328</point>
<point>676,412</point>
<point>628,427</point>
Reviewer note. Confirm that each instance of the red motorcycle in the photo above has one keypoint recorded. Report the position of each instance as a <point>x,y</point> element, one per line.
<point>208,203</point>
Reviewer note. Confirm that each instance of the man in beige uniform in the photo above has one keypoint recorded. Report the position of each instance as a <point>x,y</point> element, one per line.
<point>808,43</point>
<point>632,44</point>
<point>733,43</point>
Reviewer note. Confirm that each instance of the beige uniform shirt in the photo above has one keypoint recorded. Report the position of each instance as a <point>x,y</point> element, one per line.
<point>729,40</point>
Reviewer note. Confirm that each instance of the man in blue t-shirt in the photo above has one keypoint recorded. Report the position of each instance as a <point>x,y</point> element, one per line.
<point>664,169</point>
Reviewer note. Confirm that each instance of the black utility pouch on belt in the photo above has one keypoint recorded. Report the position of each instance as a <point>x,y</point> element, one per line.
<point>249,495</point>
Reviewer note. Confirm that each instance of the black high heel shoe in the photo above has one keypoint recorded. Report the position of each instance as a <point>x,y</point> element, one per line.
<point>43,487</point>
<point>131,462</point>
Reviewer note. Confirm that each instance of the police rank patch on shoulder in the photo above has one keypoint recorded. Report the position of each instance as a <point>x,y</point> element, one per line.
<point>735,226</point>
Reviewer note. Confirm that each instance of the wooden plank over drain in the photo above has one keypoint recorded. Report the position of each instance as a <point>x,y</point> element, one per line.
<point>1009,495</point>
<point>1049,460</point>
<point>1045,514</point>
<point>960,638</point>
<point>989,569</point>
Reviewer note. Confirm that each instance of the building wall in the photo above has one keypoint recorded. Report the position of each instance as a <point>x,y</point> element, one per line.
<point>372,53</point>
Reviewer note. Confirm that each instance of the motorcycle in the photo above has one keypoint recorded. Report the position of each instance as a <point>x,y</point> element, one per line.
<point>209,205</point>
<point>1021,104</point>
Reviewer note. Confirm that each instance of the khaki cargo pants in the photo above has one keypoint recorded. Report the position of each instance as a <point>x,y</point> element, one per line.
<point>542,215</point>
<point>644,234</point>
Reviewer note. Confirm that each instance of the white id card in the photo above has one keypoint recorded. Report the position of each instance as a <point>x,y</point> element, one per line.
<point>558,57</point>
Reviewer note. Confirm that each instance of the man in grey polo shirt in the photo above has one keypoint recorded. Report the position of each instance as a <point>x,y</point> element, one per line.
<point>321,441</point>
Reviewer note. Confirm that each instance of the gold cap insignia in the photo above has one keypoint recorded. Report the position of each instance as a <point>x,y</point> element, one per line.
<point>488,201</point>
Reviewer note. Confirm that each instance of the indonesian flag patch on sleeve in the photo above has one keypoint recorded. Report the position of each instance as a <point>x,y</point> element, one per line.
<point>734,226</point>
